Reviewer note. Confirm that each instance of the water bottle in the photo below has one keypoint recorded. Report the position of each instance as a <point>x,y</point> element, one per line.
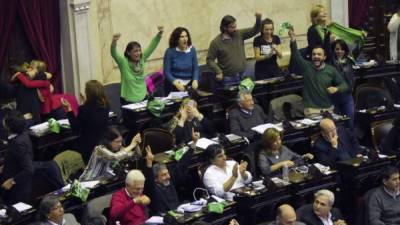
<point>285,173</point>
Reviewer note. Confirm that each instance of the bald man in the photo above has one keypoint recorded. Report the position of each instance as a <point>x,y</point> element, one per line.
<point>335,144</point>
<point>286,216</point>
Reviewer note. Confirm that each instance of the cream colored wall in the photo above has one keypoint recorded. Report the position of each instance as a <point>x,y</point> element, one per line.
<point>137,20</point>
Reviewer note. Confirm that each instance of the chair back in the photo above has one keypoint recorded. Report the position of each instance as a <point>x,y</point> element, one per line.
<point>159,140</point>
<point>113,93</point>
<point>286,107</point>
<point>96,206</point>
<point>69,163</point>
<point>367,97</point>
<point>379,130</point>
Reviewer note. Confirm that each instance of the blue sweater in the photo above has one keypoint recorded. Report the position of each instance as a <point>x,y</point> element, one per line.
<point>181,65</point>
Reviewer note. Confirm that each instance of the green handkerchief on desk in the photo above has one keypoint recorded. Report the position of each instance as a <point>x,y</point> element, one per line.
<point>216,207</point>
<point>78,191</point>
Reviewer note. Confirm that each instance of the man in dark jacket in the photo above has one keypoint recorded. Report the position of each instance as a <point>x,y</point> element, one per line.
<point>335,144</point>
<point>17,170</point>
<point>246,116</point>
<point>321,211</point>
<point>160,185</point>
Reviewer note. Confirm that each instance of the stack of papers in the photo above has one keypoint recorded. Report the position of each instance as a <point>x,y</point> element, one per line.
<point>44,128</point>
<point>133,106</point>
<point>177,95</point>
<point>203,143</point>
<point>307,121</point>
<point>155,220</point>
<point>261,128</point>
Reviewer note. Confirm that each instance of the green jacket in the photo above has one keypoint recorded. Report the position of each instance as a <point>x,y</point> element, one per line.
<point>316,82</point>
<point>133,85</point>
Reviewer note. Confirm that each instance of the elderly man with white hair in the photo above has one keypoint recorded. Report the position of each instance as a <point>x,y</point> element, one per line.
<point>246,116</point>
<point>321,212</point>
<point>128,204</point>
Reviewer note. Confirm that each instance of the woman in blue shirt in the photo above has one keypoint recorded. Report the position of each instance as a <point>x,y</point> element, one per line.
<point>180,61</point>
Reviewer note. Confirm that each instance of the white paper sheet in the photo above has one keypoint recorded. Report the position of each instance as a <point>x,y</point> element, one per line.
<point>261,128</point>
<point>155,220</point>
<point>20,206</point>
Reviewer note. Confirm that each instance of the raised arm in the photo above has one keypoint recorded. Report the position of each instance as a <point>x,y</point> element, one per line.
<point>153,44</point>
<point>114,53</point>
<point>250,32</point>
<point>299,63</point>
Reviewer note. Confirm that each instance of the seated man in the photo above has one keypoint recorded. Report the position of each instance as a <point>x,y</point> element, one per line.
<point>335,144</point>
<point>161,185</point>
<point>222,175</point>
<point>246,116</point>
<point>286,215</point>
<point>383,204</point>
<point>321,211</point>
<point>51,212</point>
<point>128,205</point>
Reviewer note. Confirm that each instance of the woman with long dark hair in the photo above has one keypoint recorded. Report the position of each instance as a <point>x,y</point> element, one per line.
<point>131,65</point>
<point>180,61</point>
<point>92,119</point>
<point>109,151</point>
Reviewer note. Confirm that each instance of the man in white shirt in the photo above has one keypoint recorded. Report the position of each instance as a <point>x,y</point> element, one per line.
<point>222,175</point>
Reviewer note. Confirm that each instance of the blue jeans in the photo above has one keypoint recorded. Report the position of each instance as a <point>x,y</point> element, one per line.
<point>232,80</point>
<point>344,105</point>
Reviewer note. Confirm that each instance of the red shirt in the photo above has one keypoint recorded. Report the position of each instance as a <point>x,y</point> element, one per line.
<point>124,210</point>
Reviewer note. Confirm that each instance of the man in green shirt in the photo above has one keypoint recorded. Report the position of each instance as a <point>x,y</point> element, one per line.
<point>320,80</point>
<point>228,49</point>
<point>131,65</point>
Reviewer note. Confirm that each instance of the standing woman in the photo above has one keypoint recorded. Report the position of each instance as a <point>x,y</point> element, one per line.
<point>317,34</point>
<point>131,66</point>
<point>344,102</point>
<point>92,119</point>
<point>180,61</point>
<point>267,48</point>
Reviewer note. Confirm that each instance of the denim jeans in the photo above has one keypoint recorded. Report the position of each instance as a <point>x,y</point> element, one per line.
<point>344,105</point>
<point>232,80</point>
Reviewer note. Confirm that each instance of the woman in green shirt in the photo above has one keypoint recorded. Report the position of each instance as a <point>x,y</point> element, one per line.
<point>131,66</point>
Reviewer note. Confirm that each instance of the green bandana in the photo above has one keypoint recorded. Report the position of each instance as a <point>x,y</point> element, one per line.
<point>78,191</point>
<point>347,34</point>
<point>216,207</point>
<point>284,26</point>
<point>246,84</point>
<point>54,125</point>
<point>155,107</point>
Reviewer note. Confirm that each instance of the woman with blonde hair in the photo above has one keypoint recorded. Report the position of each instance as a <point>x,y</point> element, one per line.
<point>92,118</point>
<point>275,155</point>
<point>189,123</point>
<point>317,34</point>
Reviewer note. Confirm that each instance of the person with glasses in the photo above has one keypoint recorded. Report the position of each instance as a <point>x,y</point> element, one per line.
<point>105,154</point>
<point>335,144</point>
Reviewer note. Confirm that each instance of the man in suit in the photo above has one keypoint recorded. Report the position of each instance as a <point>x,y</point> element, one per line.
<point>17,170</point>
<point>246,116</point>
<point>335,144</point>
<point>286,216</point>
<point>321,212</point>
<point>51,212</point>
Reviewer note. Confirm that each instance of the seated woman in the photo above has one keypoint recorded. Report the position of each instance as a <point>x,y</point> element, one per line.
<point>189,121</point>
<point>92,119</point>
<point>274,155</point>
<point>108,152</point>
<point>180,61</point>
<point>267,48</point>
<point>222,175</point>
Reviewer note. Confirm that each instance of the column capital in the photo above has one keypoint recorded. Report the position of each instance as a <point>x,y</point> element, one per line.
<point>80,5</point>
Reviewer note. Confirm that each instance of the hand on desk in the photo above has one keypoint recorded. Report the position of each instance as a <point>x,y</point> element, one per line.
<point>219,76</point>
<point>234,222</point>
<point>288,163</point>
<point>179,85</point>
